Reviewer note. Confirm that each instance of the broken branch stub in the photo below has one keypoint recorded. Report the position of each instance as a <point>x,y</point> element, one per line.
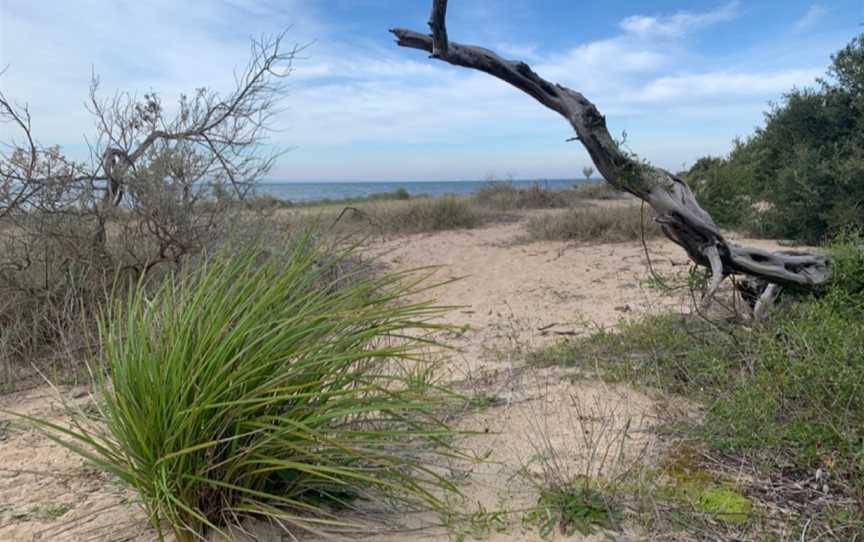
<point>680,216</point>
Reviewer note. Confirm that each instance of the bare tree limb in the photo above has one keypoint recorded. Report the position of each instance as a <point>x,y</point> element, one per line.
<point>439,31</point>
<point>681,217</point>
<point>716,264</point>
<point>765,302</point>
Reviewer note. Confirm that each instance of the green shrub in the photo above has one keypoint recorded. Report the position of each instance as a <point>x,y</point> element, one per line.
<point>267,387</point>
<point>610,224</point>
<point>398,194</point>
<point>569,510</point>
<point>799,176</point>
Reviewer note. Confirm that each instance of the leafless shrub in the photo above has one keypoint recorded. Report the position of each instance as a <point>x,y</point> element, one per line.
<point>160,184</point>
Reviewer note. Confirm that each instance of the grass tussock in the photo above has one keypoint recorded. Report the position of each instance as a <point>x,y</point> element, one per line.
<point>505,196</point>
<point>436,214</point>
<point>601,225</point>
<point>417,215</point>
<point>784,396</point>
<point>601,190</point>
<point>268,387</point>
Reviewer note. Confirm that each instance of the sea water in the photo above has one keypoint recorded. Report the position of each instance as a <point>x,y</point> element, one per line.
<point>311,191</point>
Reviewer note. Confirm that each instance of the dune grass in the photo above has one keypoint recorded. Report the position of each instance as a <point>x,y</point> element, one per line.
<point>594,224</point>
<point>416,215</point>
<point>268,387</point>
<point>505,196</point>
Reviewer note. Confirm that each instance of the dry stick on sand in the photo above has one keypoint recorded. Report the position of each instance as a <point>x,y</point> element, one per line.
<point>680,216</point>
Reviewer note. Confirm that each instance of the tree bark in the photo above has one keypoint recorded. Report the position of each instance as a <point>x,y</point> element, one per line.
<point>680,216</point>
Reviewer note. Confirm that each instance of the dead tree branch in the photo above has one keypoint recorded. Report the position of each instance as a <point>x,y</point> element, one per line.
<point>680,216</point>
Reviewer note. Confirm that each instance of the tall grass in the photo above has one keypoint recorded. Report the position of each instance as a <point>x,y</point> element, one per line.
<point>609,224</point>
<point>267,387</point>
<point>505,196</point>
<point>418,215</point>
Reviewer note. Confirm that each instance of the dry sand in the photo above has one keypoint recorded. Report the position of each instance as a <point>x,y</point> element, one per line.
<point>512,298</point>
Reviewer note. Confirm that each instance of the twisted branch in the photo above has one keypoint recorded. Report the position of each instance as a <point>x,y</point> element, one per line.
<point>681,218</point>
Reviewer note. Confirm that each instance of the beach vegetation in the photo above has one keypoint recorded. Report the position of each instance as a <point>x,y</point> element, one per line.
<point>267,385</point>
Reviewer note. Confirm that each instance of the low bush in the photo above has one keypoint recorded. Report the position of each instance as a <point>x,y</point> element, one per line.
<point>269,387</point>
<point>594,224</point>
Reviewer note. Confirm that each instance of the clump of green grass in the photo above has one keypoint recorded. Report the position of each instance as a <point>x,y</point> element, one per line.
<point>600,225</point>
<point>267,387</point>
<point>572,509</point>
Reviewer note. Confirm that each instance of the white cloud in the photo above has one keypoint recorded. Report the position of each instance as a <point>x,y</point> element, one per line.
<point>723,84</point>
<point>678,24</point>
<point>813,15</point>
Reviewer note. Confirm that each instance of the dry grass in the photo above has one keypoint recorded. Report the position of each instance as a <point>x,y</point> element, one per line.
<point>601,190</point>
<point>602,225</point>
<point>504,196</point>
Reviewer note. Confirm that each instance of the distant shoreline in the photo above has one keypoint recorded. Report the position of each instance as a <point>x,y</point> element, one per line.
<point>321,191</point>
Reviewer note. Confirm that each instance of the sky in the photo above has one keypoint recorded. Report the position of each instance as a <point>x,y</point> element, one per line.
<point>682,79</point>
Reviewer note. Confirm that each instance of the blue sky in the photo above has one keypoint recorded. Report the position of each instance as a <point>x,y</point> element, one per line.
<point>682,78</point>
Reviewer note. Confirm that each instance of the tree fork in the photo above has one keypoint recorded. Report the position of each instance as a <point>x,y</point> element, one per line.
<point>680,216</point>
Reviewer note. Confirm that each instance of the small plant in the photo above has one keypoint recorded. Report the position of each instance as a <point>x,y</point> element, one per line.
<point>484,400</point>
<point>277,388</point>
<point>573,509</point>
<point>477,525</point>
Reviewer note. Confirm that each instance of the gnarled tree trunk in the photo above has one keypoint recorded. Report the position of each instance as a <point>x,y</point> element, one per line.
<point>682,219</point>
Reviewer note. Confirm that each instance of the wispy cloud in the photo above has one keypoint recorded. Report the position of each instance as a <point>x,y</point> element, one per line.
<point>678,24</point>
<point>721,85</point>
<point>814,13</point>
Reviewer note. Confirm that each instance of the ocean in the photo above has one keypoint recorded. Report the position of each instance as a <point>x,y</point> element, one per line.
<point>305,191</point>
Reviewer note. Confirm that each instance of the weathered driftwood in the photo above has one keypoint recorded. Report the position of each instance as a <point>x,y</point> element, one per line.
<point>680,216</point>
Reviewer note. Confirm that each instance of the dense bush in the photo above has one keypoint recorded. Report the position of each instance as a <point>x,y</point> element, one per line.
<point>273,387</point>
<point>800,175</point>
